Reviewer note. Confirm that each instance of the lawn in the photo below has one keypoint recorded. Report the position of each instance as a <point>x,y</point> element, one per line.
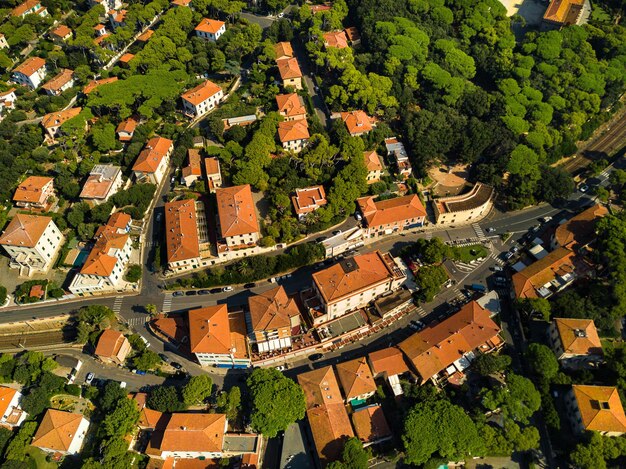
<point>36,459</point>
<point>470,253</point>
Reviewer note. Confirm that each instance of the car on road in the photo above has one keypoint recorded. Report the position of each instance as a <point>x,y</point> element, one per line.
<point>281,368</point>
<point>583,187</point>
<point>320,239</point>
<point>416,325</point>
<point>249,285</point>
<point>215,290</point>
<point>490,229</point>
<point>89,378</point>
<point>545,219</point>
<point>204,292</point>
<point>145,341</point>
<point>514,249</point>
<point>139,372</point>
<point>178,293</point>
<point>164,357</point>
<point>336,232</point>
<point>316,356</point>
<point>159,216</point>
<point>508,255</point>
<point>497,268</point>
<point>191,293</point>
<point>281,14</point>
<point>177,365</point>
<point>226,289</point>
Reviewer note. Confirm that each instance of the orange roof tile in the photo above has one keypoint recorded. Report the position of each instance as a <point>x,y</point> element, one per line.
<point>97,187</point>
<point>201,93</point>
<point>541,272</point>
<point>30,66</point>
<point>24,7</point>
<point>191,432</point>
<point>36,291</point>
<point>145,37</point>
<point>60,80</point>
<point>309,199</point>
<point>236,212</point>
<point>194,168</point>
<point>336,39</point>
<point>61,31</point>
<point>560,11</point>
<point>357,122</point>
<point>126,126</point>
<point>119,220</point>
<point>353,34</point>
<point>370,424</point>
<point>581,229</point>
<point>355,377</point>
<point>93,84</point>
<point>198,463</point>
<point>127,58</point>
<point>6,396</point>
<point>209,26</point>
<point>290,105</point>
<point>438,346</point>
<point>56,119</point>
<point>293,130</point>
<point>57,430</point>
<point>390,211</point>
<point>389,360</point>
<point>283,50</point>
<point>100,39</point>
<point>319,8</point>
<point>211,165</point>
<point>31,189</point>
<point>181,230</point>
<point>372,161</point>
<point>153,153</point>
<point>181,3</point>
<point>272,310</point>
<point>101,260</point>
<point>600,408</point>
<point>110,343</point>
<point>24,230</point>
<point>149,418</point>
<point>209,330</point>
<point>578,336</point>
<point>289,68</point>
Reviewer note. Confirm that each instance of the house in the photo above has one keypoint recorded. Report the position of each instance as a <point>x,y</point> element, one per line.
<point>308,200</point>
<point>356,380</point>
<point>353,35</point>
<point>52,122</point>
<point>290,73</point>
<point>579,231</point>
<point>7,102</point>
<point>210,29</point>
<point>11,414</point>
<point>576,342</point>
<point>104,181</point>
<point>93,84</point>
<point>370,425</point>
<point>203,98</point>
<point>120,221</point>
<point>283,50</point>
<point>126,129</point>
<point>444,350</point>
<point>186,236</point>
<point>189,436</point>
<point>181,3</point>
<point>240,121</point>
<point>32,242</point>
<point>117,18</point>
<point>60,34</point>
<point>596,408</point>
<point>217,338</point>
<point>126,58</point>
<point>213,174</point>
<point>291,106</point>
<point>105,265</point>
<point>107,4</point>
<point>396,151</point>
<point>326,413</point>
<point>193,171</point>
<point>273,318</point>
<point>374,166</point>
<point>100,30</point>
<point>29,7</point>
<point>358,123</point>
<point>562,13</point>
<point>293,135</point>
<point>465,208</point>
<point>61,82</point>
<point>237,220</point>
<point>3,42</point>
<point>30,73</point>
<point>103,42</point>
<point>112,347</point>
<point>154,160</point>
<point>546,276</point>
<point>336,39</point>
<point>61,432</point>
<point>319,8</point>
<point>145,37</point>
<point>354,282</point>
<point>35,192</point>
<point>392,215</point>
<point>389,363</point>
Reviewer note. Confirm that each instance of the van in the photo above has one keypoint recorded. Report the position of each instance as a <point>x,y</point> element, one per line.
<point>478,287</point>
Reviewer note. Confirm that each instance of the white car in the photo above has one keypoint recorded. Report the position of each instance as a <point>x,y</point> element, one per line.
<point>89,378</point>
<point>281,368</point>
<point>546,219</point>
<point>281,14</point>
<point>226,289</point>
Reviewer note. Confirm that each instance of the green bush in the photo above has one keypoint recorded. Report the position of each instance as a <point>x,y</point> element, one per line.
<point>133,274</point>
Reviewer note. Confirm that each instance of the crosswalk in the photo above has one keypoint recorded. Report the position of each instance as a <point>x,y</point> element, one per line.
<point>117,304</point>
<point>457,294</point>
<point>466,266</point>
<point>606,172</point>
<point>138,321</point>
<point>167,304</point>
<point>495,256</point>
<point>478,230</point>
<point>421,312</point>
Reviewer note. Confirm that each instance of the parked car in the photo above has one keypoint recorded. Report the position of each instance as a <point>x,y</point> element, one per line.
<point>490,230</point>
<point>514,249</point>
<point>249,285</point>
<point>177,365</point>
<point>281,368</point>
<point>191,292</point>
<point>215,290</point>
<point>89,378</point>
<point>159,216</point>
<point>178,293</point>
<point>336,232</point>
<point>164,357</point>
<point>226,289</point>
<point>145,341</point>
<point>139,372</point>
<point>583,187</point>
<point>204,292</point>
<point>316,356</point>
<point>545,219</point>
<point>508,255</point>
<point>497,268</point>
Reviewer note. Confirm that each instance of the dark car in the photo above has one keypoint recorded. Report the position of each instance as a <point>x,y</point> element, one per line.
<point>249,285</point>
<point>336,232</point>
<point>216,290</point>
<point>164,357</point>
<point>177,365</point>
<point>191,293</point>
<point>178,293</point>
<point>316,356</point>
<point>204,292</point>
<point>320,239</point>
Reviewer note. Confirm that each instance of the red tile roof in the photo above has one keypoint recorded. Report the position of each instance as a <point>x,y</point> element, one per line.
<point>370,424</point>
<point>153,153</point>
<point>60,80</point>
<point>283,50</point>
<point>101,260</point>
<point>336,39</point>
<point>57,430</point>
<point>289,68</point>
<point>272,310</point>
<point>309,199</point>
<point>372,161</point>
<point>30,66</point>
<point>236,212</point>
<point>390,211</point>
<point>61,31</point>
<point>600,408</point>
<point>110,343</point>
<point>357,122</point>
<point>181,230</point>
<point>209,330</point>
<point>355,377</point>
<point>290,105</point>
<point>209,26</point>
<point>580,230</point>
<point>93,84</point>
<point>24,230</point>
<point>293,130</point>
<point>190,432</point>
<point>578,336</point>
<point>31,189</point>
<point>58,118</point>
<point>389,360</point>
<point>543,271</point>
<point>201,93</point>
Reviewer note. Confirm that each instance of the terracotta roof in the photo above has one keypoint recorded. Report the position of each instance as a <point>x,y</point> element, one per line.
<point>355,377</point>
<point>194,168</point>
<point>560,11</point>
<point>327,415</point>
<point>110,343</point>
<point>93,84</point>
<point>309,199</point>
<point>357,122</point>
<point>98,184</point>
<point>209,26</point>
<point>146,36</point>
<point>319,8</point>
<point>127,126</point>
<point>283,50</point>
<point>57,430</point>
<point>30,66</point>
<point>55,119</point>
<point>272,310</point>
<point>235,208</point>
<point>581,229</point>
<point>174,327</point>
<point>24,230</point>
<point>127,58</point>
<point>211,165</point>
<point>209,330</point>
<point>289,68</point>
<point>191,432</point>
<point>438,346</point>
<point>61,31</point>
<point>60,80</point>
<point>290,105</point>
<point>201,93</point>
<point>349,276</point>
<point>6,396</point>
<point>119,220</point>
<point>578,336</point>
<point>24,7</point>
<point>370,424</point>
<point>353,34</point>
<point>153,153</point>
<point>293,130</point>
<point>389,360</point>
<point>100,39</point>
<point>198,463</point>
<point>386,212</point>
<point>181,3</point>
<point>101,260</point>
<point>372,161</point>
<point>31,188</point>
<point>181,230</point>
<point>600,408</point>
<point>336,39</point>
<point>541,272</point>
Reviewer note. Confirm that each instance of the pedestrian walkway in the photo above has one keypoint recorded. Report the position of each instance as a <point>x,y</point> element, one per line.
<point>117,305</point>
<point>421,312</point>
<point>606,172</point>
<point>167,303</point>
<point>495,256</point>
<point>478,230</point>
<point>457,294</point>
<point>466,266</point>
<point>138,321</point>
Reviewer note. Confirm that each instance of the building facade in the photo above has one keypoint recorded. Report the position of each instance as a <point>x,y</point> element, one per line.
<point>595,408</point>
<point>30,73</point>
<point>392,215</point>
<point>576,342</point>
<point>202,99</point>
<point>210,29</point>
<point>35,192</point>
<point>237,218</point>
<point>465,208</point>
<point>154,160</point>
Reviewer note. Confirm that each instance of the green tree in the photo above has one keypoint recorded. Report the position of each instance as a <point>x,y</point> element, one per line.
<point>146,360</point>
<point>17,446</point>
<point>530,306</point>
<point>165,399</point>
<point>122,419</point>
<point>277,401</point>
<point>133,274</point>
<point>197,389</point>
<point>230,403</point>
<point>353,456</point>
<point>429,280</point>
<point>488,363</point>
<point>519,400</point>
<point>542,361</point>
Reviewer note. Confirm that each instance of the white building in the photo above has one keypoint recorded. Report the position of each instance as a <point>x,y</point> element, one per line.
<point>210,29</point>
<point>186,235</point>
<point>107,4</point>
<point>293,135</point>
<point>64,80</point>
<point>11,413</point>
<point>104,181</point>
<point>153,161</point>
<point>61,432</point>
<point>203,98</point>
<point>29,7</point>
<point>3,42</point>
<point>30,73</point>
<point>32,242</point>
<point>238,223</point>
<point>7,102</point>
<point>213,173</point>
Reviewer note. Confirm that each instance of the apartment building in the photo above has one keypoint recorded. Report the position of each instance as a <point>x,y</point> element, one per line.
<point>576,342</point>
<point>595,408</point>
<point>186,235</point>
<point>237,220</point>
<point>465,208</point>
<point>291,106</point>
<point>53,121</point>
<point>30,7</point>
<point>61,432</point>
<point>112,347</point>
<point>290,73</point>
<point>193,171</point>
<point>307,200</point>
<point>154,160</point>
<point>30,73</point>
<point>389,216</point>
<point>104,181</point>
<point>35,192</point>
<point>543,278</point>
<point>358,122</point>
<point>210,29</point>
<point>293,135</point>
<point>203,98</point>
<point>213,173</point>
<point>64,80</point>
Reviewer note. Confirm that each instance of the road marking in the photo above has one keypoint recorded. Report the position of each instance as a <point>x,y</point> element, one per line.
<point>167,304</point>
<point>117,304</point>
<point>478,230</point>
<point>138,321</point>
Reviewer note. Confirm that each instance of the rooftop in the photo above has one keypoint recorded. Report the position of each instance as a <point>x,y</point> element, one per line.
<point>580,230</point>
<point>272,310</point>
<point>100,180</point>
<point>390,211</point>
<point>153,153</point>
<point>209,26</point>
<point>110,343</point>
<point>61,31</point>
<point>357,122</point>
<point>578,336</point>
<point>58,118</point>
<point>24,230</point>
<point>236,212</point>
<point>600,408</point>
<point>337,39</point>
<point>190,432</point>
<point>527,281</point>
<point>30,66</point>
<point>290,104</point>
<point>561,11</point>
<point>372,161</point>
<point>389,360</point>
<point>370,424</point>
<point>194,168</point>
<point>283,50</point>
<point>60,80</point>
<point>479,194</point>
<point>31,189</point>
<point>101,260</point>
<point>289,68</point>
<point>355,377</point>
<point>57,430</point>
<point>201,93</point>
<point>181,230</point>
<point>289,131</point>
<point>93,84</point>
<point>309,199</point>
